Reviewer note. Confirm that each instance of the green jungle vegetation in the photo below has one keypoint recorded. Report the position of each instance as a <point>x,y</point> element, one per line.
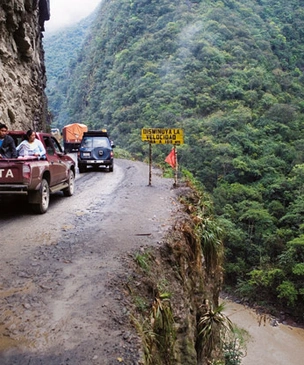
<point>230,73</point>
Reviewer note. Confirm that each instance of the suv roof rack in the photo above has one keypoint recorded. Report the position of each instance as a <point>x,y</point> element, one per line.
<point>97,133</point>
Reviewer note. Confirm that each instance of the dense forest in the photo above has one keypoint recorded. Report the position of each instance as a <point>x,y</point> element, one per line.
<point>230,74</point>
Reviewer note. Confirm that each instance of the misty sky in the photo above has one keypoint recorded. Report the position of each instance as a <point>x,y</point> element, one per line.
<point>68,12</point>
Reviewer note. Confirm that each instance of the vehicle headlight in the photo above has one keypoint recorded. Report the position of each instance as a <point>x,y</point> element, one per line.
<point>86,154</point>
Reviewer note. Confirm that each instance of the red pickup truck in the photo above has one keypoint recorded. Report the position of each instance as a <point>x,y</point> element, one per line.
<point>36,177</point>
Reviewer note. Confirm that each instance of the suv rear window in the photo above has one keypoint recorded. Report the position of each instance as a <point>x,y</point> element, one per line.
<point>89,142</point>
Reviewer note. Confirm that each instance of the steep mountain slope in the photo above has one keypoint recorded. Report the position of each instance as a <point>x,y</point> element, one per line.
<point>185,59</point>
<point>230,73</point>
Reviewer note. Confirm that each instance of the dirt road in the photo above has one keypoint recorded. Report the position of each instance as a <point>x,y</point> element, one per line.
<point>60,294</point>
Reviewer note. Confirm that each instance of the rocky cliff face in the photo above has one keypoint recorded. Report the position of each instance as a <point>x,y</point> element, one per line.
<point>23,102</point>
<point>174,290</point>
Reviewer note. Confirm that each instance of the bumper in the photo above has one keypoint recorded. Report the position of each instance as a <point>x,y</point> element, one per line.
<point>13,189</point>
<point>83,163</point>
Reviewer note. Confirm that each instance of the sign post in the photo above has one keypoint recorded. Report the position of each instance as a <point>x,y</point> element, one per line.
<point>176,166</point>
<point>150,164</point>
<point>174,136</point>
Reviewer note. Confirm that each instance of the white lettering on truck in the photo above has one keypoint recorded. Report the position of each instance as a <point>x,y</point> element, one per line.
<point>9,173</point>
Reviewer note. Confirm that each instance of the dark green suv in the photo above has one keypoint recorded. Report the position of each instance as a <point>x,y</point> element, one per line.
<point>96,150</point>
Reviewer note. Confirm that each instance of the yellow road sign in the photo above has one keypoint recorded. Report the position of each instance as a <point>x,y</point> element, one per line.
<point>163,135</point>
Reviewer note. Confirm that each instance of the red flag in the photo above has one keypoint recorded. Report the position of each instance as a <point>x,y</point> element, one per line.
<point>171,158</point>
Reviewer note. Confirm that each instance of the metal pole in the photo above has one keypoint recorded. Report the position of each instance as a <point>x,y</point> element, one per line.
<point>176,166</point>
<point>150,164</point>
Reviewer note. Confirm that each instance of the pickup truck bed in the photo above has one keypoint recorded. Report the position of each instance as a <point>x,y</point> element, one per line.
<point>38,178</point>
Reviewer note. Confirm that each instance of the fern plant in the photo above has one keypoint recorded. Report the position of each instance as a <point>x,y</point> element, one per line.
<point>212,328</point>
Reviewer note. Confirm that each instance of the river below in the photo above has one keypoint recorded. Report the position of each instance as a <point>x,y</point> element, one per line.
<point>281,344</point>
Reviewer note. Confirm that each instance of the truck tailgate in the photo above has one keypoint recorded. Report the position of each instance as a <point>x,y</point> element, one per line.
<point>11,172</point>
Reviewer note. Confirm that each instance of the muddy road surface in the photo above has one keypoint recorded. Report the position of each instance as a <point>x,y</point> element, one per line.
<point>60,297</point>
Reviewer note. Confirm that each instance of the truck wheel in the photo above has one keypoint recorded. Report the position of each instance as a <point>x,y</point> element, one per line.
<point>82,169</point>
<point>44,197</point>
<point>69,191</point>
<point>111,168</point>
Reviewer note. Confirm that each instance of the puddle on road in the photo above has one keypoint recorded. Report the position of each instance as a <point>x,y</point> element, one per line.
<point>11,318</point>
<point>68,227</point>
<point>9,343</point>
<point>11,291</point>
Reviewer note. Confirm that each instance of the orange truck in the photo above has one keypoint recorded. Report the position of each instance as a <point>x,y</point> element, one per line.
<point>72,136</point>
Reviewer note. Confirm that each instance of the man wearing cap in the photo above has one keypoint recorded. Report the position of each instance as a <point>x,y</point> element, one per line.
<point>7,144</point>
